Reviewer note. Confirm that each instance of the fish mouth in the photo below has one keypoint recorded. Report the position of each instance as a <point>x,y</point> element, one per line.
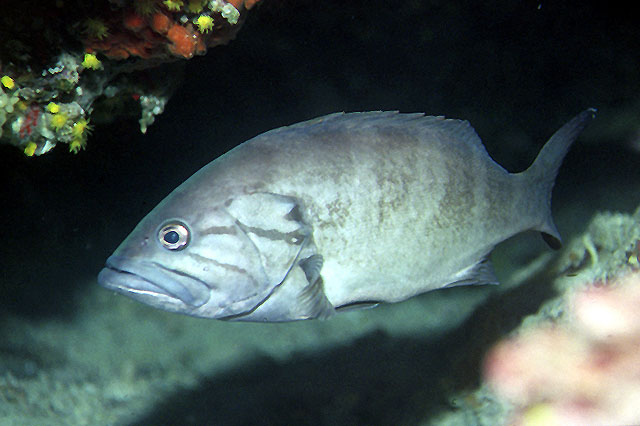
<point>153,284</point>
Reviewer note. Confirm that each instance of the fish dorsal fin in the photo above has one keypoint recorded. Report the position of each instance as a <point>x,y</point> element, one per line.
<point>417,123</point>
<point>457,129</point>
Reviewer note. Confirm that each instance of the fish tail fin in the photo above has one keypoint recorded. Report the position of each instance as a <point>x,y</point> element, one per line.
<point>541,175</point>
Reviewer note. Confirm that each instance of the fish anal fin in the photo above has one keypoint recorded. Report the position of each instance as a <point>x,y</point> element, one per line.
<point>552,241</point>
<point>477,274</point>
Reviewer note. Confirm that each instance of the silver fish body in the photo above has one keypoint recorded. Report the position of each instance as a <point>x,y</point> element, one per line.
<point>340,211</point>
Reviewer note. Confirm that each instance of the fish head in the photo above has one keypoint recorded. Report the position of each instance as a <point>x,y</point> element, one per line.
<point>214,259</point>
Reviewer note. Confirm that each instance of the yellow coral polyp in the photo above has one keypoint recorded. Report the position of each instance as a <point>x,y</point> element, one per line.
<point>91,61</point>
<point>204,23</point>
<point>7,82</point>
<point>194,6</point>
<point>173,5</point>
<point>145,7</point>
<point>77,144</point>
<point>58,121</point>
<point>30,149</point>
<point>53,108</point>
<point>96,28</point>
<point>80,128</point>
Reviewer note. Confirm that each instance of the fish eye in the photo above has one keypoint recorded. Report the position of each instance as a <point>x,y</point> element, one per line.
<point>174,236</point>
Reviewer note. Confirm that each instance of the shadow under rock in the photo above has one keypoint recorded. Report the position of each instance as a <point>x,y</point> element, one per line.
<point>376,380</point>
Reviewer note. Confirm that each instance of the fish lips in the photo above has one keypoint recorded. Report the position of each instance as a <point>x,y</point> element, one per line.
<point>153,284</point>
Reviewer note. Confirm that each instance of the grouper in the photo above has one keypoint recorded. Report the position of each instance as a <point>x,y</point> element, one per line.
<point>343,211</point>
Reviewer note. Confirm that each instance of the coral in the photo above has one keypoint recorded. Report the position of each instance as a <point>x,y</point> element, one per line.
<point>79,132</point>
<point>184,42</point>
<point>609,246</point>
<point>7,104</point>
<point>96,28</point>
<point>151,106</point>
<point>240,4</point>
<point>52,107</point>
<point>77,144</point>
<point>584,370</point>
<point>30,149</point>
<point>230,13</point>
<point>145,7</point>
<point>27,124</point>
<point>48,85</point>
<point>248,4</point>
<point>91,61</point>
<point>195,6</point>
<point>58,121</point>
<point>173,5</point>
<point>80,129</point>
<point>161,30</point>
<point>160,23</point>
<point>204,23</point>
<point>7,82</point>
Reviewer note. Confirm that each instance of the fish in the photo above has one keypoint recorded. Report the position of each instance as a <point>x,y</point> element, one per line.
<point>344,211</point>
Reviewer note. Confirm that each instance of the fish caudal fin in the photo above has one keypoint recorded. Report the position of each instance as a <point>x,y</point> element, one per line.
<point>541,175</point>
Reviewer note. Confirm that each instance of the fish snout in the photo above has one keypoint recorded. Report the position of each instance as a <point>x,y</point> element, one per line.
<point>154,284</point>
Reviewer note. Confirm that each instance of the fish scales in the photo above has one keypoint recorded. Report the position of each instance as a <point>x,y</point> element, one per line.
<point>350,209</point>
<point>411,195</point>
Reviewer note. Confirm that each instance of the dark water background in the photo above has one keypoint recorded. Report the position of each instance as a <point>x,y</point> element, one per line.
<point>517,70</point>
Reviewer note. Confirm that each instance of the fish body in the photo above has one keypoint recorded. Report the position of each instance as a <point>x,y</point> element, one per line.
<point>341,211</point>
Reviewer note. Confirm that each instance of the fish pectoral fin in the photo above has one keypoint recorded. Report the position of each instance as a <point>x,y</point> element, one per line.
<point>312,298</point>
<point>476,274</point>
<point>311,267</point>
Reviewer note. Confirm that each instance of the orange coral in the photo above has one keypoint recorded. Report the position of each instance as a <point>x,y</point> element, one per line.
<point>184,42</point>
<point>134,22</point>
<point>250,3</point>
<point>161,34</point>
<point>160,23</point>
<point>123,45</point>
<point>236,3</point>
<point>243,4</point>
